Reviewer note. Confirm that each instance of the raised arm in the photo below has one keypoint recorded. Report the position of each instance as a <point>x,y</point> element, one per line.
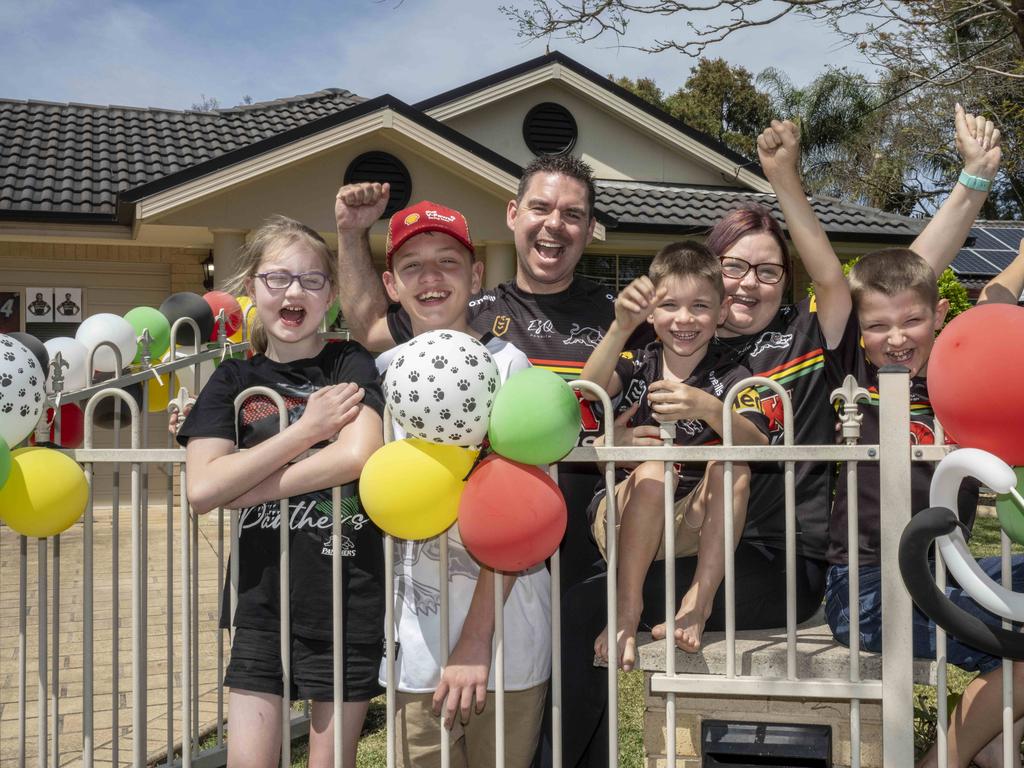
<point>977,141</point>
<point>218,474</point>
<point>1007,286</point>
<point>632,306</point>
<point>778,149</point>
<point>360,290</point>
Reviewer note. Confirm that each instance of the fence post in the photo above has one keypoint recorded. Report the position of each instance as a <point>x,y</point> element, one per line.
<point>898,657</point>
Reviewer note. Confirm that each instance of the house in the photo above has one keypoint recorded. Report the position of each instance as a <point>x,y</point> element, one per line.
<point>131,204</point>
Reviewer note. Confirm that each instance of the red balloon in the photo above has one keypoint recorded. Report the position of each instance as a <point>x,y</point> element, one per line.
<point>511,515</point>
<point>975,374</point>
<point>219,300</point>
<point>72,426</point>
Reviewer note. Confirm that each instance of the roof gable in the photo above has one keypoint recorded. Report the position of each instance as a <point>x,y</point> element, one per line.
<point>642,116</point>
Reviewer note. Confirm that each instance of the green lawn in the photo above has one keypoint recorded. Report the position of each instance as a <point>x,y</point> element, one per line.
<point>984,542</point>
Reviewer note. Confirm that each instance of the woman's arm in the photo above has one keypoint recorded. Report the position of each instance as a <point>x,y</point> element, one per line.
<point>977,141</point>
<point>218,473</point>
<point>778,149</point>
<point>338,463</point>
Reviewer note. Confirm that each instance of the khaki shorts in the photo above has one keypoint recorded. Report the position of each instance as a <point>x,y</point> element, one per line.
<point>418,731</point>
<point>687,538</point>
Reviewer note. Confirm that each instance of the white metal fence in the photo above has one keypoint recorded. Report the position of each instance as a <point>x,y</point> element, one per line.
<point>87,711</point>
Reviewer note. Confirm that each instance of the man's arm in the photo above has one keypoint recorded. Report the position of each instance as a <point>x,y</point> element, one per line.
<point>977,141</point>
<point>360,290</point>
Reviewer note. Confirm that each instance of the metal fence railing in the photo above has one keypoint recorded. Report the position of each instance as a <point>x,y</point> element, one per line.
<point>170,710</point>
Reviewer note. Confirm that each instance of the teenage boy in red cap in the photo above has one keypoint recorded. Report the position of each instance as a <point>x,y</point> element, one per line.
<point>432,272</point>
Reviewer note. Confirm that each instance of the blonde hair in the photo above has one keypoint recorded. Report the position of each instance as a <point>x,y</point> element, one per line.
<point>275,234</point>
<point>892,271</point>
<point>688,258</point>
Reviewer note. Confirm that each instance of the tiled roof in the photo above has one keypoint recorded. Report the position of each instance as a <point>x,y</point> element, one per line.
<point>73,159</point>
<point>650,206</point>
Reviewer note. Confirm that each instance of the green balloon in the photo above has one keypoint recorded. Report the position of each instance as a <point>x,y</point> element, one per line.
<point>1011,515</point>
<point>5,462</point>
<point>142,318</point>
<point>535,418</point>
<point>332,312</point>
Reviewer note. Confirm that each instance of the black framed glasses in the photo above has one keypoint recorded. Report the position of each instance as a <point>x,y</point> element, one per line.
<point>278,281</point>
<point>769,273</point>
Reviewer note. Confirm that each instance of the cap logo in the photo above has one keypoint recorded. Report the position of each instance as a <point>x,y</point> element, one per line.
<point>438,216</point>
<point>411,219</point>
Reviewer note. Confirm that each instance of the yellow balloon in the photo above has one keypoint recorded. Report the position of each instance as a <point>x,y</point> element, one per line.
<point>424,502</point>
<point>244,302</point>
<point>158,394</point>
<point>45,494</point>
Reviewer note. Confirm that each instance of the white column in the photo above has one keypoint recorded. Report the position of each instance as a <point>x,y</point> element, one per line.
<point>499,263</point>
<point>226,243</point>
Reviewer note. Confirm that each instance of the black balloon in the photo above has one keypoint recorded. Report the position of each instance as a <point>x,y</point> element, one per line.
<point>185,304</point>
<point>36,347</point>
<point>923,529</point>
<point>107,408</point>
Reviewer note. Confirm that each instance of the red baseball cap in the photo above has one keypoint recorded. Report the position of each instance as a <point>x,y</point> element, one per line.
<point>426,216</point>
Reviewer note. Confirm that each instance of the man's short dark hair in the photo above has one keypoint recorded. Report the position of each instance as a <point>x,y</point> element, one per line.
<point>564,165</point>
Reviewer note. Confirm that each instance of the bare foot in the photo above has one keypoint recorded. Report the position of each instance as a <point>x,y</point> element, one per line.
<point>690,620</point>
<point>625,636</point>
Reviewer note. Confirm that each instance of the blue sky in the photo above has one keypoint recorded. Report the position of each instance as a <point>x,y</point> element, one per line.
<point>167,54</point>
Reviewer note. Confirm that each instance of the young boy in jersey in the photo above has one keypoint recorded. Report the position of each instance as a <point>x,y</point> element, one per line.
<point>897,312</point>
<point>681,378</point>
<point>432,272</point>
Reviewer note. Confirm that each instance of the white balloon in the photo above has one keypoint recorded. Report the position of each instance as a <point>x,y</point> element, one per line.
<point>441,387</point>
<point>22,399</point>
<point>74,354</point>
<point>107,327</point>
<point>997,475</point>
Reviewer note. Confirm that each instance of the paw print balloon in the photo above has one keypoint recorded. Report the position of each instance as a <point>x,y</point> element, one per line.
<point>452,372</point>
<point>21,390</point>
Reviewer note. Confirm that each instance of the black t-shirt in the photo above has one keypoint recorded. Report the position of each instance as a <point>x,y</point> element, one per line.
<point>556,331</point>
<point>714,374</point>
<point>791,351</point>
<point>849,358</point>
<point>310,515</point>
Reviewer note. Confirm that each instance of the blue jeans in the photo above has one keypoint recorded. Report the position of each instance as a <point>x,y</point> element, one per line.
<point>837,613</point>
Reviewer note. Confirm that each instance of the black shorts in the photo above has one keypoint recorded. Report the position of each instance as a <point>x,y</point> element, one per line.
<point>256,666</point>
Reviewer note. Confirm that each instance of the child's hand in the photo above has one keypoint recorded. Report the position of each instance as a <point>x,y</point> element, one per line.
<point>778,148</point>
<point>977,141</point>
<point>329,409</point>
<point>636,302</point>
<point>358,206</point>
<point>673,400</point>
<point>463,679</point>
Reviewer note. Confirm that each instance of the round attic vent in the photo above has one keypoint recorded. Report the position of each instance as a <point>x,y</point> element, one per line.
<point>380,166</point>
<point>549,129</point>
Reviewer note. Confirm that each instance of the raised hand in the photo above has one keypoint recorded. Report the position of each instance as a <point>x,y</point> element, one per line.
<point>977,141</point>
<point>358,206</point>
<point>636,302</point>
<point>778,148</point>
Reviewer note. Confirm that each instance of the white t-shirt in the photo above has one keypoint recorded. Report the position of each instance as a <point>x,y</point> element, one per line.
<point>418,593</point>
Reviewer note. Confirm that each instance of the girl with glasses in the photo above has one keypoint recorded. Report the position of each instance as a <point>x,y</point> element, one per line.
<point>334,408</point>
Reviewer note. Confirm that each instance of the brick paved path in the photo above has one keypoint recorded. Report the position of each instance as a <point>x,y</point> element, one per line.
<point>68,721</point>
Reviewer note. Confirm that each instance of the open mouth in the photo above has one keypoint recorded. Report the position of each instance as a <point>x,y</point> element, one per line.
<point>292,316</point>
<point>900,356</point>
<point>549,249</point>
<point>746,301</point>
<point>685,336</point>
<point>431,298</point>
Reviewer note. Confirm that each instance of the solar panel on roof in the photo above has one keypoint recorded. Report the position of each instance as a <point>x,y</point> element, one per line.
<point>993,250</point>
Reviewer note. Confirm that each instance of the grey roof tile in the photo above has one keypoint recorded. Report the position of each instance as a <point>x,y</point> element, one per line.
<point>638,205</point>
<point>75,157</point>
